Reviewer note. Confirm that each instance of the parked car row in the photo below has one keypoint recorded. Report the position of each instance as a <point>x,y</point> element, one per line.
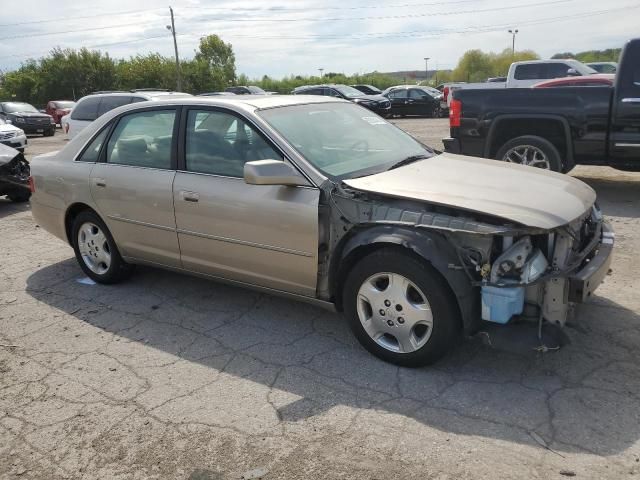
<point>27,118</point>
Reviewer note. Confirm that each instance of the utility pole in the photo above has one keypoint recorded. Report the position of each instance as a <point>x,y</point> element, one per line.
<point>321,70</point>
<point>426,70</point>
<point>513,33</point>
<point>172,29</point>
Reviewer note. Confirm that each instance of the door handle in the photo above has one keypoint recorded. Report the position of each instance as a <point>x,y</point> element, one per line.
<point>189,196</point>
<point>100,182</point>
<point>631,100</point>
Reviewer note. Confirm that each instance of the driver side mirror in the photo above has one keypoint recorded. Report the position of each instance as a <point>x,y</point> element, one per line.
<point>572,72</point>
<point>272,172</point>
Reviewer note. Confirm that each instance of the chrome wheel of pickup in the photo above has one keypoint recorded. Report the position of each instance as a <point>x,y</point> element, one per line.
<point>94,248</point>
<point>394,312</point>
<point>528,155</point>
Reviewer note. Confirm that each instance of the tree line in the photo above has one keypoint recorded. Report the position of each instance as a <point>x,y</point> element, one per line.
<point>71,74</point>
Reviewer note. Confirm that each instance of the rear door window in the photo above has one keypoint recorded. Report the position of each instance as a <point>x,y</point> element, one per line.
<point>143,139</point>
<point>557,70</point>
<point>86,109</point>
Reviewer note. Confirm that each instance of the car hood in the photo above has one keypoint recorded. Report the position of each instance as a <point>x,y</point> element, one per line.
<point>7,127</point>
<point>7,154</point>
<point>29,114</point>
<point>526,195</point>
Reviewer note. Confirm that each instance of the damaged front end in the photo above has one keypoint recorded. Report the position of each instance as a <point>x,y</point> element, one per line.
<point>497,269</point>
<point>14,173</point>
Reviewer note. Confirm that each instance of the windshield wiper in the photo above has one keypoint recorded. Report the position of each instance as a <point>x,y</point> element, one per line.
<point>408,160</point>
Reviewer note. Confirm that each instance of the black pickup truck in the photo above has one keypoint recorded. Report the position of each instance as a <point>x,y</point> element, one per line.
<point>554,128</point>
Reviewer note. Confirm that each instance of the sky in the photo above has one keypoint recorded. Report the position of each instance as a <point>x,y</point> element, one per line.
<point>284,37</point>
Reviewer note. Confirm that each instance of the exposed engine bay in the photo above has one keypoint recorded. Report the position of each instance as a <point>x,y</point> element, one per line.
<point>14,174</point>
<point>512,270</point>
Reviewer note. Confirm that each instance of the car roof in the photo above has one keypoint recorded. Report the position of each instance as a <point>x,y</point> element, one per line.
<point>149,95</point>
<point>248,102</point>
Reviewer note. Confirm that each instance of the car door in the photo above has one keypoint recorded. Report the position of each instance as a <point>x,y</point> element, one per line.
<point>420,103</point>
<point>624,145</point>
<point>399,101</point>
<point>132,185</point>
<point>257,234</point>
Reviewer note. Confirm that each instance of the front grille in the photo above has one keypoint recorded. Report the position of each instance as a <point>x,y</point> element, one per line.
<point>37,121</point>
<point>7,135</point>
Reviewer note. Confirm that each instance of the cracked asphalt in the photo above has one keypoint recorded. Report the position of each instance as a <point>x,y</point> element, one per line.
<point>173,377</point>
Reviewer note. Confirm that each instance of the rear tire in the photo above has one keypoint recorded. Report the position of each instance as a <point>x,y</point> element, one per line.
<point>96,251</point>
<point>421,318</point>
<point>532,151</point>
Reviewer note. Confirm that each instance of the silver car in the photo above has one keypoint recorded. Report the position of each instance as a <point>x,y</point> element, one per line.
<point>321,200</point>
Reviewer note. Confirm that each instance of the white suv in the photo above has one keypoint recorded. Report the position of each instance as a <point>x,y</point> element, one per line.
<point>97,104</point>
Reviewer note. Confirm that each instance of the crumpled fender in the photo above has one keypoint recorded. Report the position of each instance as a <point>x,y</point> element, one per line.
<point>432,246</point>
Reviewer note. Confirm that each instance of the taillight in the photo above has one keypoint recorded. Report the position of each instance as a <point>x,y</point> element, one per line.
<point>445,92</point>
<point>455,113</point>
<point>32,184</point>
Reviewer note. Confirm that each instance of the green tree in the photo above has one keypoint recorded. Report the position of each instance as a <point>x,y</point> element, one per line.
<point>146,71</point>
<point>214,65</point>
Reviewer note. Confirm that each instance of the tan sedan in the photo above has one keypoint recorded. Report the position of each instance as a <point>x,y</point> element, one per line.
<point>321,200</point>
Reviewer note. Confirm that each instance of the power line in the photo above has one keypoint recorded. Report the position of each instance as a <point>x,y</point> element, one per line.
<point>380,35</point>
<point>310,19</point>
<point>51,20</point>
<point>29,35</point>
<point>306,9</point>
<point>393,17</point>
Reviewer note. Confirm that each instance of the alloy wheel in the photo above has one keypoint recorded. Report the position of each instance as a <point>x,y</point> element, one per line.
<point>528,155</point>
<point>394,312</point>
<point>94,248</point>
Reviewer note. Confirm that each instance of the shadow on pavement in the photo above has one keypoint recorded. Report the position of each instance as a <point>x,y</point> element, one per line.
<point>7,207</point>
<point>582,398</point>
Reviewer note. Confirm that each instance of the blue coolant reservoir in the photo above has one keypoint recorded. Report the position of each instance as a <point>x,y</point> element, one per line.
<point>500,304</point>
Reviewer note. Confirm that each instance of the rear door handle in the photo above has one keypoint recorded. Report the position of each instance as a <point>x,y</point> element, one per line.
<point>100,182</point>
<point>631,100</point>
<point>189,196</point>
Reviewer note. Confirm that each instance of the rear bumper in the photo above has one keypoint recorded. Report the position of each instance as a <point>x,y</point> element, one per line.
<point>583,282</point>
<point>452,145</point>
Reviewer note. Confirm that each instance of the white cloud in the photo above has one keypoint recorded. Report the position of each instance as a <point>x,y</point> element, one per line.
<point>345,44</point>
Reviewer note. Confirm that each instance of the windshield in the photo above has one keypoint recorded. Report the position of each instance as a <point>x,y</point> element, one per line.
<point>68,104</point>
<point>431,91</point>
<point>13,107</point>
<point>253,89</point>
<point>348,92</point>
<point>342,140</point>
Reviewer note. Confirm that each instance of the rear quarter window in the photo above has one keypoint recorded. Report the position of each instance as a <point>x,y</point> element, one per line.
<point>86,109</point>
<point>109,103</point>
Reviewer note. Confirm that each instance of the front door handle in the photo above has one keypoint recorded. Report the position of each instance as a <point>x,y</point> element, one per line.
<point>189,196</point>
<point>631,100</point>
<point>100,182</point>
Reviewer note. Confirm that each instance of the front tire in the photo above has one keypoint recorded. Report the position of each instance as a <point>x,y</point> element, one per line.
<point>400,308</point>
<point>19,197</point>
<point>96,251</point>
<point>532,151</point>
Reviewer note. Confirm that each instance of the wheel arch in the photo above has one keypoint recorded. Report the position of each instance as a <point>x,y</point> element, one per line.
<point>70,215</point>
<point>553,128</point>
<point>430,247</point>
